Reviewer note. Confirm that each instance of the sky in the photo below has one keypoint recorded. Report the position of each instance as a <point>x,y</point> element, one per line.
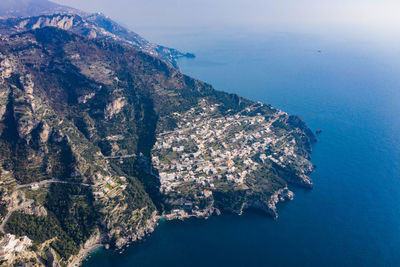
<point>369,18</point>
<point>254,13</point>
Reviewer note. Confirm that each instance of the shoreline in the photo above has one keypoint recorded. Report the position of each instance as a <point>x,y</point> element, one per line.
<point>269,210</point>
<point>83,254</point>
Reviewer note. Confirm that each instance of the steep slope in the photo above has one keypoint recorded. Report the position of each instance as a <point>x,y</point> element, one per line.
<point>98,139</point>
<point>93,26</point>
<point>25,8</point>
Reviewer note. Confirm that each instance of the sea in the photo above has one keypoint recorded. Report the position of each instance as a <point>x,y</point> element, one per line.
<point>348,87</point>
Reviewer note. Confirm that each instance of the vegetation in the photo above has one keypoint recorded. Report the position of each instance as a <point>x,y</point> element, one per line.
<point>98,107</point>
<point>3,207</point>
<point>73,206</point>
<point>39,229</point>
<point>71,220</point>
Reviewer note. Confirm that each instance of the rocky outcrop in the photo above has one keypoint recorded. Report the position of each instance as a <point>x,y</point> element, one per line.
<point>94,242</point>
<point>269,206</point>
<point>7,66</point>
<point>36,211</point>
<point>93,26</point>
<point>51,258</point>
<point>13,8</point>
<point>140,233</point>
<point>281,195</point>
<point>62,22</point>
<point>114,107</point>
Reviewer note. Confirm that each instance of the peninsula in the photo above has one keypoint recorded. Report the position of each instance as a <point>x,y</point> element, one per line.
<point>100,138</point>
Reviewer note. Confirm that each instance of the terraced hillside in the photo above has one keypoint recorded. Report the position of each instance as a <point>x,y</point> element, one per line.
<point>99,139</point>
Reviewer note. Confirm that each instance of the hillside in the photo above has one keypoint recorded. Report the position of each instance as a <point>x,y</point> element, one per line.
<point>26,8</point>
<point>99,139</point>
<point>22,15</point>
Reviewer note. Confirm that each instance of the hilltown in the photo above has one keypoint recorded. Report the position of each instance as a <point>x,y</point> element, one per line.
<point>205,148</point>
<point>12,245</point>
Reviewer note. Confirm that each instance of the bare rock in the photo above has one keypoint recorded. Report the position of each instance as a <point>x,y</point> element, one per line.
<point>114,107</point>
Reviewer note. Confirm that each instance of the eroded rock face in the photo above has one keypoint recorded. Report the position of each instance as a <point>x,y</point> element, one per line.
<point>93,26</point>
<point>6,67</point>
<point>45,133</point>
<point>4,92</point>
<point>36,211</point>
<point>17,201</point>
<point>13,8</point>
<point>62,22</point>
<point>114,107</point>
<point>281,195</point>
<point>85,98</point>
<point>25,127</point>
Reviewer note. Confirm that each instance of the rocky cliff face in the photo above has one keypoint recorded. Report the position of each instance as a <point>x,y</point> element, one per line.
<point>26,15</point>
<point>24,8</point>
<point>83,122</point>
<point>93,26</point>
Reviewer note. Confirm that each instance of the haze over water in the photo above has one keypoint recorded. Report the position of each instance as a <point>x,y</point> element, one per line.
<point>348,88</point>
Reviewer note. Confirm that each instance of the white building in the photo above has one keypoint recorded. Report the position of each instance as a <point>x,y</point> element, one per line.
<point>12,244</point>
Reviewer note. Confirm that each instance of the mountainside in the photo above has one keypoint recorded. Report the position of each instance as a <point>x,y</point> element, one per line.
<point>93,26</point>
<point>23,15</point>
<point>99,139</point>
<point>25,8</point>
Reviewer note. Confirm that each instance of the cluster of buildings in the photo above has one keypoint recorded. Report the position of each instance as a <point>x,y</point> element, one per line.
<point>206,147</point>
<point>108,186</point>
<point>12,245</point>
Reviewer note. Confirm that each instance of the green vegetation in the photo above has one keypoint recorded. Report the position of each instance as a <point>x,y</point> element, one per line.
<point>78,113</point>
<point>3,207</point>
<point>71,220</point>
<point>39,229</point>
<point>39,196</point>
<point>227,198</point>
<point>73,206</point>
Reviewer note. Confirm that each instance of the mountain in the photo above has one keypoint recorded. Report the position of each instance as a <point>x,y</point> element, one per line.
<point>26,8</point>
<point>24,15</point>
<point>98,140</point>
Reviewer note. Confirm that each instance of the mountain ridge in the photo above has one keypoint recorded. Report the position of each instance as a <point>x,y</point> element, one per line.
<point>26,8</point>
<point>94,25</point>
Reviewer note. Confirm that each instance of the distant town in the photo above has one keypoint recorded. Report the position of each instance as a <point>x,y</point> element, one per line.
<point>206,148</point>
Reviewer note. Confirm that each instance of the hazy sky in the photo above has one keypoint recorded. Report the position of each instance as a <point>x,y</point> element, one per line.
<point>379,16</point>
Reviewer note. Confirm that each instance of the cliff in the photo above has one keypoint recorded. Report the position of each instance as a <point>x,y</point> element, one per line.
<point>93,26</point>
<point>25,8</point>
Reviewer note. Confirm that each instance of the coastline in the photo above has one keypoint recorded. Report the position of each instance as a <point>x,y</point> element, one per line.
<point>281,195</point>
<point>269,208</point>
<point>83,254</point>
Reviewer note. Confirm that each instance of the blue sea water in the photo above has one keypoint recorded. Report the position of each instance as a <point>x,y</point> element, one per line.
<point>351,90</point>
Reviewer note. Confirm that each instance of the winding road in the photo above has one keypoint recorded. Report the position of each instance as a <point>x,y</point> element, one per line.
<point>10,212</point>
<point>45,182</point>
<point>29,203</point>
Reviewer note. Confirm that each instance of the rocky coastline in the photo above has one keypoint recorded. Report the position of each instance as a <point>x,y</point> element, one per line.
<point>280,195</point>
<point>269,208</point>
<point>98,241</point>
